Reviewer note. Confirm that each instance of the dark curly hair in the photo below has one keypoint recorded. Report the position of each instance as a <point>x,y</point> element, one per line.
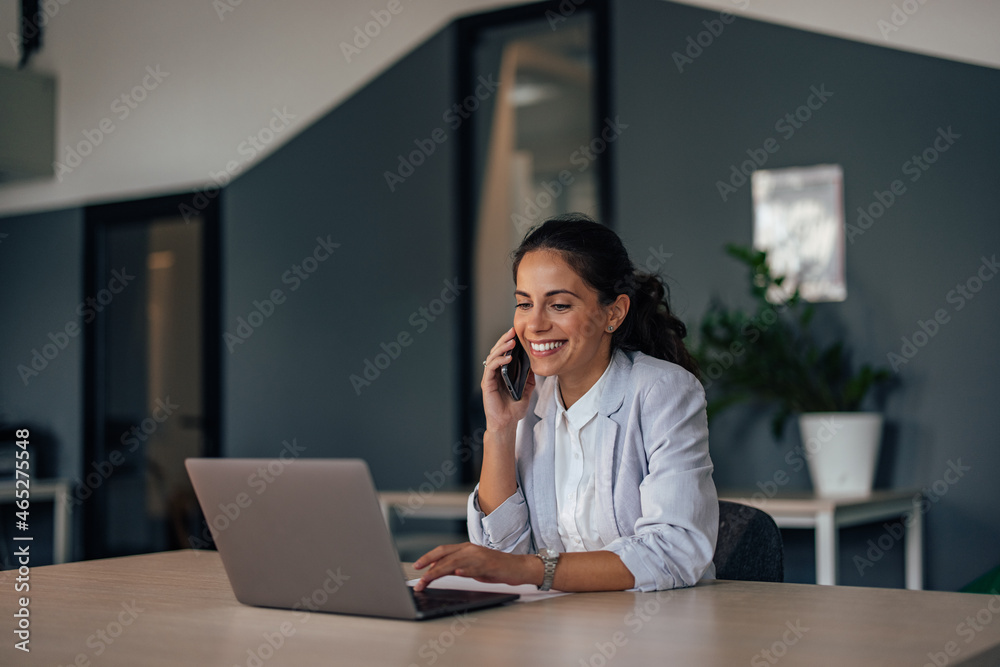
<point>598,256</point>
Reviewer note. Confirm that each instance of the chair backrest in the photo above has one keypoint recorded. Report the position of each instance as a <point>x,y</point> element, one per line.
<point>749,547</point>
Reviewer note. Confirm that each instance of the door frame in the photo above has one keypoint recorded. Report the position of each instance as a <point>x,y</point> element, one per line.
<point>468,31</point>
<point>98,219</point>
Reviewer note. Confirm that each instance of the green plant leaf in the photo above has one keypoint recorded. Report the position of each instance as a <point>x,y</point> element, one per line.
<point>769,355</point>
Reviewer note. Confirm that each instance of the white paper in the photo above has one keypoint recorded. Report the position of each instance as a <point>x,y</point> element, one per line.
<point>528,592</point>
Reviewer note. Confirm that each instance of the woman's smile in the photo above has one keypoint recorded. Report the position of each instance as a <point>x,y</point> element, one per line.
<point>545,348</point>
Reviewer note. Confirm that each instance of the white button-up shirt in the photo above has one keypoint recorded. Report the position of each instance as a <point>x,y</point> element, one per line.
<point>575,453</point>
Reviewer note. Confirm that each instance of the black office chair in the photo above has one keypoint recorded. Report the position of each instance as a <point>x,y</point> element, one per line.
<point>749,547</point>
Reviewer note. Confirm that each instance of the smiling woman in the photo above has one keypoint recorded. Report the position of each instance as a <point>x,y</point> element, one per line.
<point>600,477</point>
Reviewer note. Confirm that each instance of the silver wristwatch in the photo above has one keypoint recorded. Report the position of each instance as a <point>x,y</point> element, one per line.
<point>551,558</point>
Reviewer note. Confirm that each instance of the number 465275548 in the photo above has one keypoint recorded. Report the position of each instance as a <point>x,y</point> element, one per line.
<point>23,455</point>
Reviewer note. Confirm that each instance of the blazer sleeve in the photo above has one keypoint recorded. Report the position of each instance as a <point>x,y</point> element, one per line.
<point>507,528</point>
<point>675,535</point>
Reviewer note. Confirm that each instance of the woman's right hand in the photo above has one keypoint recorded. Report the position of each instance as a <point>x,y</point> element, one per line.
<point>502,411</point>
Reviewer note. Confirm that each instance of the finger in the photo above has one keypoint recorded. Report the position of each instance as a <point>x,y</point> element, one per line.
<point>435,554</point>
<point>501,340</point>
<point>491,374</point>
<point>472,562</point>
<point>437,569</point>
<point>425,579</point>
<point>447,565</point>
<point>502,348</point>
<point>492,370</point>
<point>496,358</point>
<point>448,560</point>
<point>504,342</point>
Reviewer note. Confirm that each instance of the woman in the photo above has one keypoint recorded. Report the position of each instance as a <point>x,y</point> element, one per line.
<point>599,478</point>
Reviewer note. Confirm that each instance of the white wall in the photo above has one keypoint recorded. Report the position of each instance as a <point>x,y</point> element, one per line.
<point>226,72</point>
<point>964,30</point>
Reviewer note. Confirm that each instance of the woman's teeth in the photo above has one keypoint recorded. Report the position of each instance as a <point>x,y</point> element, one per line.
<point>542,347</point>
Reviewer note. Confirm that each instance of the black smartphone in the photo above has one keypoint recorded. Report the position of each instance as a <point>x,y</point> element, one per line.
<point>515,373</point>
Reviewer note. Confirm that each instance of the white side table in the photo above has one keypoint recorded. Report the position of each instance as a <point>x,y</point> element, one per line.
<point>435,505</point>
<point>825,515</point>
<point>828,515</point>
<point>56,491</point>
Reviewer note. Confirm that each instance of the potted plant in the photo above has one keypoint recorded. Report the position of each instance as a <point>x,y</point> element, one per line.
<point>769,355</point>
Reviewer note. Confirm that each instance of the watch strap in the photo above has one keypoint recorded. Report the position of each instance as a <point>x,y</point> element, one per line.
<point>550,562</point>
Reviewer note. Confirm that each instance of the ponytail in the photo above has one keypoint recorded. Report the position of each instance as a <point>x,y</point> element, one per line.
<point>650,327</point>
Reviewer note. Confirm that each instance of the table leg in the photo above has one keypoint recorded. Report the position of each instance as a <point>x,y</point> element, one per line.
<point>61,520</point>
<point>826,549</point>
<point>915,548</point>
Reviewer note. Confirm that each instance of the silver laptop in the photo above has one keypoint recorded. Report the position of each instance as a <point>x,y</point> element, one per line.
<point>308,534</point>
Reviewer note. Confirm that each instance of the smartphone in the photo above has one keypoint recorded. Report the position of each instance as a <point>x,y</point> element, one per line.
<point>515,373</point>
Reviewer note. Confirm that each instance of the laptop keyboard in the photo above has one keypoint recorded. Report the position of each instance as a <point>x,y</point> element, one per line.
<point>439,598</point>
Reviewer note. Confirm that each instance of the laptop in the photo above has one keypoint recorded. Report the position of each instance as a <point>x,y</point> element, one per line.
<point>308,534</point>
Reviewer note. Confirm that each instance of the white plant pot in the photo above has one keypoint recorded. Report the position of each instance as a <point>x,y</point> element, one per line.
<point>842,450</point>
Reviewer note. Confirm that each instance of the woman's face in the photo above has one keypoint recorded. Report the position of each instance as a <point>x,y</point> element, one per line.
<point>560,320</point>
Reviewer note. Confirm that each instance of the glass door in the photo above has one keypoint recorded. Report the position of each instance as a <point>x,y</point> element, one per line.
<point>538,145</point>
<point>151,376</point>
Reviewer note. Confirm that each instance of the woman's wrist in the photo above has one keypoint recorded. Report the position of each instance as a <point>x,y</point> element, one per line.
<point>534,570</point>
<point>499,435</point>
<point>498,480</point>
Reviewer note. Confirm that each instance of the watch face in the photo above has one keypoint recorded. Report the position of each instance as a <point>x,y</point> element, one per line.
<point>545,552</point>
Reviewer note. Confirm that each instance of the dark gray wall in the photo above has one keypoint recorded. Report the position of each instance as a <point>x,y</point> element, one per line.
<point>397,254</point>
<point>685,131</point>
<point>40,291</point>
<point>40,269</point>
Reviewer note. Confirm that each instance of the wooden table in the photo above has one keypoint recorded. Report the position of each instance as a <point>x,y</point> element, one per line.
<point>177,608</point>
<point>789,510</point>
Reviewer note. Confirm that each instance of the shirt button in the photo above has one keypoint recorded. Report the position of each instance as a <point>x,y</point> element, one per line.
<point>576,456</point>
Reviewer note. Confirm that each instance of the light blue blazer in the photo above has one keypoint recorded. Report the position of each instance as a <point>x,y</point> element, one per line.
<point>659,510</point>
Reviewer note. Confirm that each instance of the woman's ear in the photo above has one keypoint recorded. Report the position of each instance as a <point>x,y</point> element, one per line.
<point>618,310</point>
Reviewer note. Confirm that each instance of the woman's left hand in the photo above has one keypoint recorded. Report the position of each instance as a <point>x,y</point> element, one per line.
<point>480,563</point>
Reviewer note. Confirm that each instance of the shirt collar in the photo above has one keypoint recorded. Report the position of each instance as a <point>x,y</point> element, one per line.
<point>581,412</point>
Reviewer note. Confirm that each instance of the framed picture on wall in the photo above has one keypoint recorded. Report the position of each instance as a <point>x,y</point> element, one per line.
<point>798,216</point>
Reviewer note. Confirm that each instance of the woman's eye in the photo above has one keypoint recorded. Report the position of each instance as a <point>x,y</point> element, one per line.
<point>560,306</point>
<point>523,306</point>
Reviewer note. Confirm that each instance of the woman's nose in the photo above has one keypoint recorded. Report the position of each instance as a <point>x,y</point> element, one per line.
<point>536,321</point>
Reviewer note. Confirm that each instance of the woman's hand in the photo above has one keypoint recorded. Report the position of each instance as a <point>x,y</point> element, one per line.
<point>480,563</point>
<point>502,411</point>
<point>498,480</point>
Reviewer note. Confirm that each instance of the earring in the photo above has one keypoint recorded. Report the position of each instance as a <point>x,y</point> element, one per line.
<point>611,328</point>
